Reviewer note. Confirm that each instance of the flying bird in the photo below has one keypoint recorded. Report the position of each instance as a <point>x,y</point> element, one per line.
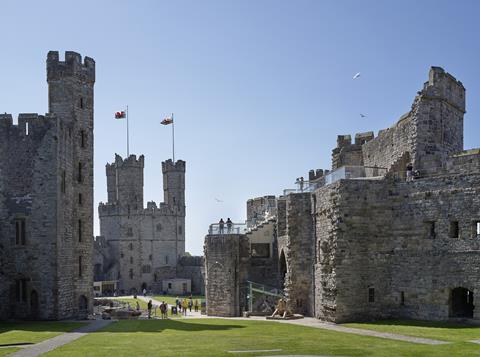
<point>362,115</point>
<point>216,199</point>
<point>356,76</point>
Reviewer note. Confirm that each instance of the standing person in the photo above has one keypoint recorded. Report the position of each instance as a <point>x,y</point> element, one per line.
<point>144,292</point>
<point>190,304</point>
<point>149,308</point>
<point>184,307</point>
<point>229,225</point>
<point>221,224</point>
<point>196,305</point>
<point>409,172</point>
<point>177,301</point>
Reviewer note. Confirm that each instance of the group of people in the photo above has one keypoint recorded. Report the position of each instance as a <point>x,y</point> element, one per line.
<point>184,304</point>
<point>221,226</point>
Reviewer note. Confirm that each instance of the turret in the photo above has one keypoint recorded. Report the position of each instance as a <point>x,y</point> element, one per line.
<point>174,185</point>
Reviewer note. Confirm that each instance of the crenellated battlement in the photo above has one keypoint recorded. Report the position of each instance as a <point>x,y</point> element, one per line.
<point>442,85</point>
<point>362,138</point>
<point>343,140</point>
<point>130,161</point>
<point>71,67</point>
<point>28,124</point>
<point>317,174</point>
<point>169,166</point>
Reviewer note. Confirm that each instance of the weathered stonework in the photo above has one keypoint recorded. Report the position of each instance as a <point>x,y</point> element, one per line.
<point>46,199</point>
<point>140,246</point>
<point>376,242</point>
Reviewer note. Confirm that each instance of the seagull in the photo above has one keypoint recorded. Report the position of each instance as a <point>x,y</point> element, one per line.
<point>216,199</point>
<point>362,115</point>
<point>356,76</point>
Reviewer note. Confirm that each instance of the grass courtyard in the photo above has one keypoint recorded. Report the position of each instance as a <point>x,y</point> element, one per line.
<point>12,333</point>
<point>216,337</point>
<point>219,337</point>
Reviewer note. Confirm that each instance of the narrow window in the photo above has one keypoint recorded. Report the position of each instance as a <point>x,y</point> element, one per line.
<point>371,295</point>
<point>476,229</point>
<point>155,277</point>
<point>121,255</point>
<point>79,172</point>
<point>80,224</point>
<point>430,229</point>
<point>26,128</point>
<point>20,231</point>
<point>166,259</point>
<point>80,266</point>
<point>80,199</point>
<point>180,230</point>
<point>130,272</point>
<point>81,103</point>
<point>82,138</point>
<point>454,230</point>
<point>150,257</point>
<point>402,298</point>
<point>169,285</point>
<point>131,260</point>
<point>21,290</point>
<point>64,179</point>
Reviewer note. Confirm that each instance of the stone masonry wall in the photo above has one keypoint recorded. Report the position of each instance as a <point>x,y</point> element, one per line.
<point>300,254</point>
<point>226,265</point>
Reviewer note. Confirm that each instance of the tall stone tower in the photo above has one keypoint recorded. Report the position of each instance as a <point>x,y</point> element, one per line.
<point>46,200</point>
<point>70,94</point>
<point>174,197</point>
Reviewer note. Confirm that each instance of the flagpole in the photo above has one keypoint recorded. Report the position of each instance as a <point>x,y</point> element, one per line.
<point>128,149</point>
<point>173,139</point>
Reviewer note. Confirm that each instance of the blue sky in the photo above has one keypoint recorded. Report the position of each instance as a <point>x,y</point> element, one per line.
<point>260,89</point>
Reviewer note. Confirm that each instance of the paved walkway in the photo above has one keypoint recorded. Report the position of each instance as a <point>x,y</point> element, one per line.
<point>313,322</point>
<point>52,343</point>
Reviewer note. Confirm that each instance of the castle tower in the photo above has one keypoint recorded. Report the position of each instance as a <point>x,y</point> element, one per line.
<point>125,183</point>
<point>174,198</point>
<point>439,110</point>
<point>70,95</point>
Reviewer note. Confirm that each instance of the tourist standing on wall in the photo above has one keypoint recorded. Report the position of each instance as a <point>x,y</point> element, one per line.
<point>221,225</point>
<point>229,225</point>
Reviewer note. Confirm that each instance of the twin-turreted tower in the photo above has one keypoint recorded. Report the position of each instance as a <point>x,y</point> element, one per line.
<point>143,244</point>
<point>46,200</point>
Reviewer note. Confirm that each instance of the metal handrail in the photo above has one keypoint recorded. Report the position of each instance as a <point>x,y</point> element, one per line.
<point>233,228</point>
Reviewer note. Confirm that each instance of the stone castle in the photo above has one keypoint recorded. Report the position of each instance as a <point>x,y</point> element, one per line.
<point>141,248</point>
<point>46,199</point>
<point>391,231</point>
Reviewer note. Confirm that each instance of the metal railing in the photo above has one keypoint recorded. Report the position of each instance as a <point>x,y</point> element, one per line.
<point>233,228</point>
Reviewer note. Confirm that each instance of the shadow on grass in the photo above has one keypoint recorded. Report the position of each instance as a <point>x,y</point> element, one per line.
<point>421,323</point>
<point>40,326</point>
<point>130,326</point>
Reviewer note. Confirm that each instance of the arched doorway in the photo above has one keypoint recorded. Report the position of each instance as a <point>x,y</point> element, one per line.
<point>82,307</point>
<point>283,269</point>
<point>461,303</point>
<point>34,305</point>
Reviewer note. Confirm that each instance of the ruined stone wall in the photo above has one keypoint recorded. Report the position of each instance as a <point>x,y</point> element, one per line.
<point>193,268</point>
<point>261,208</point>
<point>326,226</point>
<point>226,268</point>
<point>300,254</point>
<point>429,133</point>
<point>346,153</point>
<point>465,162</point>
<point>382,240</point>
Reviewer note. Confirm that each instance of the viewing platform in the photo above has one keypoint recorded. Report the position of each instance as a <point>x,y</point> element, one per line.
<point>233,228</point>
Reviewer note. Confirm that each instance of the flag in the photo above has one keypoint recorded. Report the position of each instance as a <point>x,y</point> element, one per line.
<point>120,115</point>
<point>166,121</point>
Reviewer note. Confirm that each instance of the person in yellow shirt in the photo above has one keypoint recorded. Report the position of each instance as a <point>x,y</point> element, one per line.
<point>184,306</point>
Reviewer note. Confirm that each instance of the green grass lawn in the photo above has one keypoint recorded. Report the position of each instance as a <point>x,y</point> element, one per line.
<point>445,331</point>
<point>215,337</point>
<point>31,332</point>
